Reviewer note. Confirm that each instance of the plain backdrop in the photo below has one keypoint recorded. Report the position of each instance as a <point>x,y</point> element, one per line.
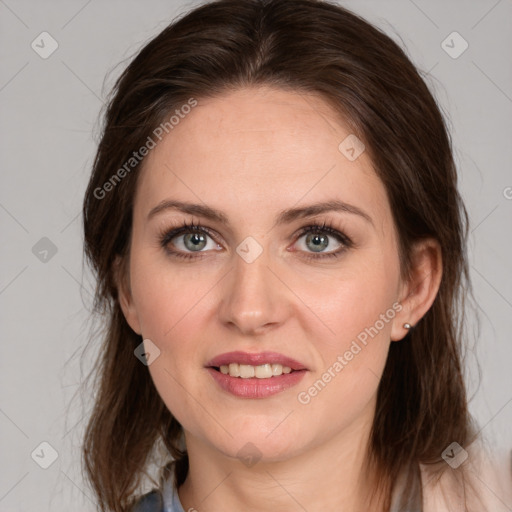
<point>49,130</point>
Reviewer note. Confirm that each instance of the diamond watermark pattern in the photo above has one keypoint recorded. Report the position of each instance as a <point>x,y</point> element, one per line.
<point>454,455</point>
<point>249,249</point>
<point>351,147</point>
<point>147,352</point>
<point>44,455</point>
<point>44,250</point>
<point>454,45</point>
<point>44,45</point>
<point>249,454</point>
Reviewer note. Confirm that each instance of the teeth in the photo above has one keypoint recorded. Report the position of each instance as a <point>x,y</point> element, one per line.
<point>246,371</point>
<point>263,372</point>
<point>234,370</point>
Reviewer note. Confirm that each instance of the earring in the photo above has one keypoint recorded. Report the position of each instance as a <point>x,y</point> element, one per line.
<point>407,326</point>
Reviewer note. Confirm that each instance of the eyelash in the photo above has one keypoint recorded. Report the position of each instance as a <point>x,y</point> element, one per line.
<point>166,236</point>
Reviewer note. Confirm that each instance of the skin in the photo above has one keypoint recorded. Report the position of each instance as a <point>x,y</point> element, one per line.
<point>251,154</point>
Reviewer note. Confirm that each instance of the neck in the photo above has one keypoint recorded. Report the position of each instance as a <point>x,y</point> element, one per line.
<point>329,476</point>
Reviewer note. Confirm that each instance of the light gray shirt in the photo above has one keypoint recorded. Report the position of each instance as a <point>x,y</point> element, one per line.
<point>167,499</point>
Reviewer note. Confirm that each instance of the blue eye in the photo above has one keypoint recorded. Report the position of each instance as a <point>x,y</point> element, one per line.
<point>317,239</point>
<point>194,239</point>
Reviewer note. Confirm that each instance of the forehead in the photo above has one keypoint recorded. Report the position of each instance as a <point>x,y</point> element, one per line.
<point>254,150</point>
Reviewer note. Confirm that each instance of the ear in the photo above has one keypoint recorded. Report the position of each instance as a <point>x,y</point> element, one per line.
<point>124,294</point>
<point>420,289</point>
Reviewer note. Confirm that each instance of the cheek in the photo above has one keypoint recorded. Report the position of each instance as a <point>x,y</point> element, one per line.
<point>165,294</point>
<point>172,303</point>
<point>359,307</point>
<point>352,300</point>
<point>345,382</point>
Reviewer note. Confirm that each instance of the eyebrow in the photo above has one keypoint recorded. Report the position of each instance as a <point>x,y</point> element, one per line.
<point>284,217</point>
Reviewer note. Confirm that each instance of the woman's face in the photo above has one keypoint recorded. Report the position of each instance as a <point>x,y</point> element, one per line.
<point>262,160</point>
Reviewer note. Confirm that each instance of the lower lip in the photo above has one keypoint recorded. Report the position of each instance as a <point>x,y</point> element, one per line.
<point>254,387</point>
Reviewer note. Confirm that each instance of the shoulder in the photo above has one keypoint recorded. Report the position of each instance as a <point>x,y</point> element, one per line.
<point>150,502</point>
<point>163,498</point>
<point>482,482</point>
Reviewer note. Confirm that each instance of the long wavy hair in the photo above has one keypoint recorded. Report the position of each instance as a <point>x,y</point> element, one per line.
<point>300,46</point>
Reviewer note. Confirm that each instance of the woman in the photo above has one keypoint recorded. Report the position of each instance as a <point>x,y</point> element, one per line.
<point>279,243</point>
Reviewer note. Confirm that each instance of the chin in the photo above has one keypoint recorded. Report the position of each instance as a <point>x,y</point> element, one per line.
<point>261,441</point>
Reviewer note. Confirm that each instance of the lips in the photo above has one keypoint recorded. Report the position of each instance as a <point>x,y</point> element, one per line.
<point>256,359</point>
<point>232,371</point>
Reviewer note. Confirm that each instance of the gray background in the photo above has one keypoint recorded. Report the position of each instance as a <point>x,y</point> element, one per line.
<point>49,130</point>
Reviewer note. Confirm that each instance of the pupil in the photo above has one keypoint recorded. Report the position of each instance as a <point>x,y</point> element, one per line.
<point>320,242</point>
<point>193,241</point>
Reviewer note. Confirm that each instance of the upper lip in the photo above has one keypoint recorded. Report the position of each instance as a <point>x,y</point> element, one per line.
<point>255,359</point>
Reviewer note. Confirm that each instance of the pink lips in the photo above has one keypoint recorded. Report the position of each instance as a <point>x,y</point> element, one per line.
<point>254,387</point>
<point>255,359</point>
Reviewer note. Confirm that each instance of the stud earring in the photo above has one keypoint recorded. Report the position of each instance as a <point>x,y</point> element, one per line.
<point>407,326</point>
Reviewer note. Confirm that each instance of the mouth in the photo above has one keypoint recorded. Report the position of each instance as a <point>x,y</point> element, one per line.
<point>262,365</point>
<point>255,375</point>
<point>247,371</point>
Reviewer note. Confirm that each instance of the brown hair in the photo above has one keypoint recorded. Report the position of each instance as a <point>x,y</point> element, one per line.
<point>304,46</point>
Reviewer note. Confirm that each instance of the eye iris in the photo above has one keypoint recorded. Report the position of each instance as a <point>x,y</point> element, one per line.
<point>320,241</point>
<point>197,241</point>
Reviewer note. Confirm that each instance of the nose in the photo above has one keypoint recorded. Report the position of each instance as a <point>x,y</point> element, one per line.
<point>253,299</point>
